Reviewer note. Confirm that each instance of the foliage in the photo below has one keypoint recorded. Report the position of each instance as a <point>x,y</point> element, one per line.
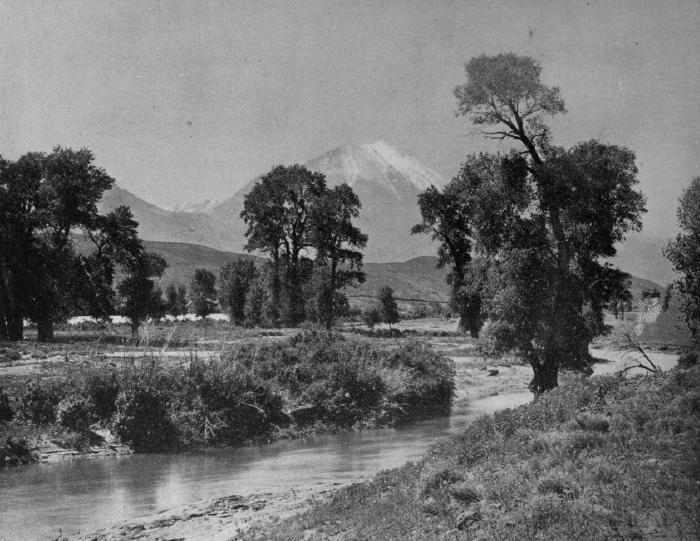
<point>336,241</point>
<point>74,413</point>
<point>527,232</point>
<point>371,317</point>
<point>203,292</point>
<point>142,419</point>
<point>261,391</point>
<point>684,253</point>
<point>38,402</point>
<point>388,309</point>
<point>292,215</point>
<point>236,279</point>
<point>140,295</point>
<point>176,300</point>
<point>45,201</point>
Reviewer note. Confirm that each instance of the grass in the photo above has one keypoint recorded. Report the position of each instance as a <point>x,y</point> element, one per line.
<point>604,458</point>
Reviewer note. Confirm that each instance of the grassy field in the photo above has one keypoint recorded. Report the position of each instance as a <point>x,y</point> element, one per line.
<point>605,458</point>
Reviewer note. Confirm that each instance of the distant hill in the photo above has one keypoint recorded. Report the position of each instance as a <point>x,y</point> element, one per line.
<point>416,279</point>
<point>184,258</point>
<point>157,224</point>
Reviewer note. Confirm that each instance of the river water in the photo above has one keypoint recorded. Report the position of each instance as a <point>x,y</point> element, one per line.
<point>38,501</point>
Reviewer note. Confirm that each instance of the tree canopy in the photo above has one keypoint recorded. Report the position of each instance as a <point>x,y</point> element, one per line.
<point>307,230</point>
<point>526,232</point>
<point>48,206</point>
<point>684,253</point>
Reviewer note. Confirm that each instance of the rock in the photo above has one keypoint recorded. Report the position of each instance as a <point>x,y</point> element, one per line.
<point>468,517</point>
<point>493,371</point>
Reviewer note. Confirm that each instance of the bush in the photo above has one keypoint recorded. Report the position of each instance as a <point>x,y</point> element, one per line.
<point>143,421</point>
<point>38,403</point>
<point>75,413</point>
<point>103,390</point>
<point>689,359</point>
<point>15,451</point>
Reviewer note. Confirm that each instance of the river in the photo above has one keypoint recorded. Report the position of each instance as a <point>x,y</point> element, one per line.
<point>39,500</point>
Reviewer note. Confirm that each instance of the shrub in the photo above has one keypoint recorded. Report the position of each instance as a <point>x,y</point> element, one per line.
<point>689,359</point>
<point>75,413</point>
<point>102,389</point>
<point>38,403</point>
<point>15,451</point>
<point>143,421</point>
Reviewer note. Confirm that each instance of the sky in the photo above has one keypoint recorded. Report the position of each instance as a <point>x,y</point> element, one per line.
<point>186,101</point>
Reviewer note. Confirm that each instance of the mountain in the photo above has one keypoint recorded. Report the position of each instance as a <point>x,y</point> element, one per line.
<point>158,224</point>
<point>386,181</point>
<point>642,256</point>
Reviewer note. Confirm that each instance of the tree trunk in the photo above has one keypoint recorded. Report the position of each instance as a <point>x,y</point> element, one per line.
<point>44,329</point>
<point>3,326</point>
<point>275,316</point>
<point>545,376</point>
<point>15,327</point>
<point>135,324</point>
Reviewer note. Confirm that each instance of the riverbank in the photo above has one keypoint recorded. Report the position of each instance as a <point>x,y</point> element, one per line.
<point>309,384</point>
<point>597,459</point>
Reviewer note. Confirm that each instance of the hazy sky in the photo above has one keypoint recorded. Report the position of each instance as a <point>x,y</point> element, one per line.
<point>184,101</point>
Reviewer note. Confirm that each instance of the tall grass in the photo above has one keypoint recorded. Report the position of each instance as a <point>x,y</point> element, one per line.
<point>313,381</point>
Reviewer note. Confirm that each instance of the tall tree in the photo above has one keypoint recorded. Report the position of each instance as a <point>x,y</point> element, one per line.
<point>235,280</point>
<point>277,211</point>
<point>203,292</point>
<point>45,199</point>
<point>482,200</point>
<point>176,299</point>
<point>545,289</point>
<point>388,309</point>
<point>684,253</point>
<point>337,241</point>
<point>141,297</point>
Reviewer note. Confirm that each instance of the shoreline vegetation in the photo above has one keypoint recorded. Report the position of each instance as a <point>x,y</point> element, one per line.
<point>310,383</point>
<point>602,458</point>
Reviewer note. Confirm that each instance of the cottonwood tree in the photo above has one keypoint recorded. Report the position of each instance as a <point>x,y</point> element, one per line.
<point>235,280</point>
<point>278,213</point>
<point>474,211</point>
<point>684,253</point>
<point>337,242</point>
<point>203,292</point>
<point>176,299</point>
<point>46,201</point>
<point>141,297</point>
<point>388,309</point>
<point>545,286</point>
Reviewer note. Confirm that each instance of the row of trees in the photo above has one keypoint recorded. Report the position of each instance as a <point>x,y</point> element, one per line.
<point>58,254</point>
<point>526,233</point>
